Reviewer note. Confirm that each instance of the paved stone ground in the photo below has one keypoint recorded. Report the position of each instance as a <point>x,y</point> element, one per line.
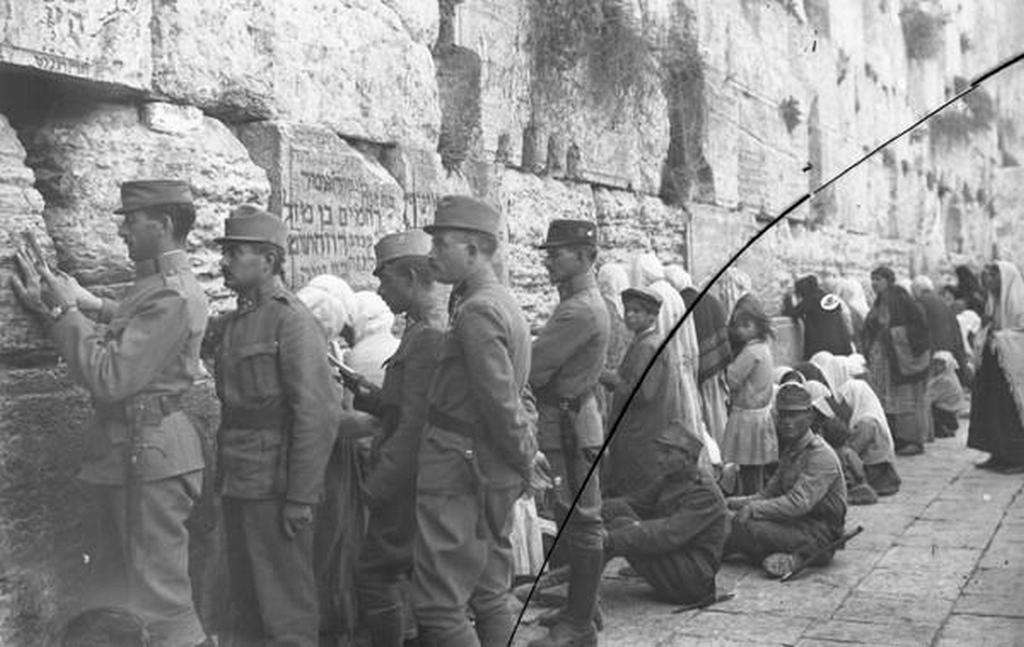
<point>940,563</point>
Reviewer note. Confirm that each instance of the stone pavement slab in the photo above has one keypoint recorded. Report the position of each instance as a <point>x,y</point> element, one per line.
<point>939,563</point>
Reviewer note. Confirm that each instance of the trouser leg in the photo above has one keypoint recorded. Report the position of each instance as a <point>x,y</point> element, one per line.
<point>149,573</point>
<point>278,569</point>
<point>760,538</point>
<point>383,569</point>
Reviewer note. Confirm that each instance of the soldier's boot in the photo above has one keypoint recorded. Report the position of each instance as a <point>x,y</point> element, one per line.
<point>552,618</point>
<point>576,628</point>
<point>494,630</point>
<point>385,627</point>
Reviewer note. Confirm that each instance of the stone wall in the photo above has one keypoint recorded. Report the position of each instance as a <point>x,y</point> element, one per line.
<point>678,126</point>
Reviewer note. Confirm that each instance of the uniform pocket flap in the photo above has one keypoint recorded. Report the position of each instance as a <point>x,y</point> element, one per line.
<point>450,441</point>
<point>251,350</point>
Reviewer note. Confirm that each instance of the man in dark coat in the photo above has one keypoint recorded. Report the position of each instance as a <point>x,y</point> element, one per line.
<point>822,315</point>
<point>942,323</point>
<point>673,531</point>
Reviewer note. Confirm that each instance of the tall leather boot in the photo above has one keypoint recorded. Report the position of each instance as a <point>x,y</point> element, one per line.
<point>385,626</point>
<point>576,627</point>
<point>495,629</point>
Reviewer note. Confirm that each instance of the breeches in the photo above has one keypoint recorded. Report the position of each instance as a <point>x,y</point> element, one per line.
<point>759,538</point>
<point>584,528</point>
<point>149,572</point>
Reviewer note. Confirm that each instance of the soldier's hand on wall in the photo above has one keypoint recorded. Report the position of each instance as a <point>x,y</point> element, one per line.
<point>84,299</point>
<point>296,517</point>
<point>29,287</point>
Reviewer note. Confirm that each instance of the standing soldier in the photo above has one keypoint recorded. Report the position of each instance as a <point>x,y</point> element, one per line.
<point>407,286</point>
<point>143,456</point>
<point>478,448</point>
<point>568,358</point>
<point>280,411</point>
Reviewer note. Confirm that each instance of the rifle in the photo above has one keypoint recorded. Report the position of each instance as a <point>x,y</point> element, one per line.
<point>824,550</point>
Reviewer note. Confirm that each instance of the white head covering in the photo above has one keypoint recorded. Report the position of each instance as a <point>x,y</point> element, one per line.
<point>819,395</point>
<point>645,270</point>
<point>733,286</point>
<point>779,372</point>
<point>1009,315</point>
<point>944,388</point>
<point>612,280</point>
<point>332,302</point>
<point>835,370</point>
<point>372,317</point>
<point>865,404</point>
<point>922,284</point>
<point>678,277</point>
<point>374,343</point>
<point>852,292</point>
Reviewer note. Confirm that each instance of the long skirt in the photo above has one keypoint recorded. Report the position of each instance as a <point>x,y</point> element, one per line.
<point>995,421</point>
<point>713,407</point>
<point>749,437</point>
<point>905,404</point>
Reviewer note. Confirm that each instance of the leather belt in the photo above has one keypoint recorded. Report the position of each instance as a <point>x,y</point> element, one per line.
<point>146,408</point>
<point>442,420</point>
<point>572,405</point>
<point>258,418</point>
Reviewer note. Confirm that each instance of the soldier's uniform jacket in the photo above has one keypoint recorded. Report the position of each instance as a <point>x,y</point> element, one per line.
<point>568,358</point>
<point>476,394</point>
<point>280,406</point>
<point>402,406</point>
<point>136,370</point>
<point>808,483</point>
<point>684,518</point>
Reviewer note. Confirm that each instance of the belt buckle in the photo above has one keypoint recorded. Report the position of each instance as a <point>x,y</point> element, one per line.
<point>563,405</point>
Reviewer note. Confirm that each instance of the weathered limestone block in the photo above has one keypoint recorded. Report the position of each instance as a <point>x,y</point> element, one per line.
<point>82,155</point>
<point>335,200</point>
<point>421,18</point>
<point>361,67</point>
<point>631,224</point>
<point>21,209</point>
<point>98,40</point>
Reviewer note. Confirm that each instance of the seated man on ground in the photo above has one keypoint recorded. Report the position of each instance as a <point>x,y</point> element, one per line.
<point>672,531</point>
<point>802,509</point>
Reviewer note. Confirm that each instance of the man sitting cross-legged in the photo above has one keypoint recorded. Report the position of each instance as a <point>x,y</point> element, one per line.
<point>672,531</point>
<point>802,509</point>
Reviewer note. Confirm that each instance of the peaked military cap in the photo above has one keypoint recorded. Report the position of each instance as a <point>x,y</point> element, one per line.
<point>564,232</point>
<point>466,213</point>
<point>414,242</point>
<point>142,194</point>
<point>249,223</point>
<point>793,397</point>
<point>647,296</point>
<point>676,436</point>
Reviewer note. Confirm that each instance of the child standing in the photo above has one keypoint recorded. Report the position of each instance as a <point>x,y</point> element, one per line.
<point>749,439</point>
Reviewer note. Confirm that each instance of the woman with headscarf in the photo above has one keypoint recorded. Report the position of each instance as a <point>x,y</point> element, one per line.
<point>822,316</point>
<point>896,344</point>
<point>612,279</point>
<point>837,434</point>
<point>871,437</point>
<point>709,321</point>
<point>648,272</point>
<point>945,394</point>
<point>970,291</point>
<point>997,403</point>
<point>374,343</point>
<point>852,294</point>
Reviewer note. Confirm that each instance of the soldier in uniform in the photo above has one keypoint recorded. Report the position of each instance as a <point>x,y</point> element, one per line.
<point>143,456</point>
<point>568,358</point>
<point>389,491</point>
<point>478,449</point>
<point>280,410</point>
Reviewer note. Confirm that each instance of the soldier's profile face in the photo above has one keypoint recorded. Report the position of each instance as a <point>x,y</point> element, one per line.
<point>395,289</point>
<point>561,263</point>
<point>449,256</point>
<point>242,265</point>
<point>141,235</point>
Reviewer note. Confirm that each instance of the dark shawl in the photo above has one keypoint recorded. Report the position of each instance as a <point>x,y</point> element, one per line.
<point>903,310</point>
<point>945,329</point>
<point>712,333</point>
<point>823,329</point>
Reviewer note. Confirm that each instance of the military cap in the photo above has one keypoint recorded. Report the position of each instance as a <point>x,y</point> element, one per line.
<point>793,397</point>
<point>647,296</point>
<point>466,213</point>
<point>564,232</point>
<point>142,194</point>
<point>675,435</point>
<point>249,223</point>
<point>414,242</point>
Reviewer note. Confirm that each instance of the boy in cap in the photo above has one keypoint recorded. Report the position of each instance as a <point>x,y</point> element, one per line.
<point>672,531</point>
<point>478,449</point>
<point>407,286</point>
<point>803,507</point>
<point>658,401</point>
<point>143,456</point>
<point>567,361</point>
<point>280,411</point>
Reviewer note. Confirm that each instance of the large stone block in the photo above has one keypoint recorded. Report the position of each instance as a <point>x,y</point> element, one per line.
<point>632,224</point>
<point>98,40</point>
<point>335,200</point>
<point>82,154</point>
<point>360,67</point>
<point>21,209</point>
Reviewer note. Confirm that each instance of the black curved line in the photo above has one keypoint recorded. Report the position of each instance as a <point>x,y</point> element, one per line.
<point>732,260</point>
